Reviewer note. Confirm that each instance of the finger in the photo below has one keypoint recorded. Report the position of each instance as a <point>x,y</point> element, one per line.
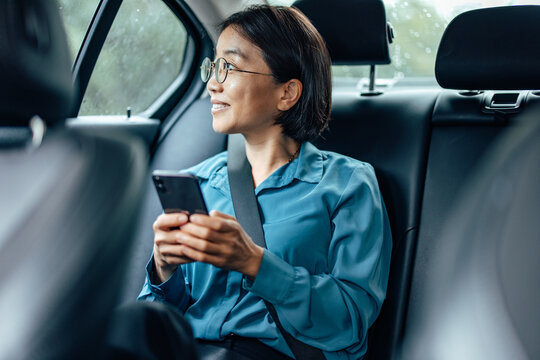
<point>212,222</point>
<point>204,257</point>
<point>199,245</point>
<point>166,221</point>
<point>215,213</point>
<point>167,237</point>
<point>200,231</point>
<point>174,254</point>
<point>171,250</point>
<point>177,260</point>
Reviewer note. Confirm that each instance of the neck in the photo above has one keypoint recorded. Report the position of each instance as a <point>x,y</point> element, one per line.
<point>268,154</point>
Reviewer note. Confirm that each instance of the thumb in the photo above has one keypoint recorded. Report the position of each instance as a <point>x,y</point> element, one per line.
<point>215,213</point>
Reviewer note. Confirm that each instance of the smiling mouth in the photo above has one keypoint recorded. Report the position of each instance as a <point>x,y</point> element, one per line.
<point>219,107</point>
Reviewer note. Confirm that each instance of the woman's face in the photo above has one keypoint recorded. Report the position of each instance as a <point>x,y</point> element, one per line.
<point>245,103</point>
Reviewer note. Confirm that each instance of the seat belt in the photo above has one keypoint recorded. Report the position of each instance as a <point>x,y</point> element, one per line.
<point>247,213</point>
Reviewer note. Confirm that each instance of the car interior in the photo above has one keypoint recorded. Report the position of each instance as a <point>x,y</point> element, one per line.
<point>457,165</point>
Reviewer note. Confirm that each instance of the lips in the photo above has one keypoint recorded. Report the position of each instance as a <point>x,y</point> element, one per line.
<point>218,106</point>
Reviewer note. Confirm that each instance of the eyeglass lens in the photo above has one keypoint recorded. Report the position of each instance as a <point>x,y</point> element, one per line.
<point>220,70</point>
<point>206,69</point>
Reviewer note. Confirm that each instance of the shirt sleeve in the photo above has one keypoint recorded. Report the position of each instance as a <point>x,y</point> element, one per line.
<point>333,311</point>
<point>174,290</point>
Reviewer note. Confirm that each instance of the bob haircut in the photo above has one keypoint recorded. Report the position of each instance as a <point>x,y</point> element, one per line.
<point>293,49</point>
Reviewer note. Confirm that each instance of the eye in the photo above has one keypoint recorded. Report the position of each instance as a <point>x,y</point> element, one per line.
<point>231,66</point>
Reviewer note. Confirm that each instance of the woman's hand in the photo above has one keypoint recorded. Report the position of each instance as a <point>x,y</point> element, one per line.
<point>168,253</point>
<point>219,240</point>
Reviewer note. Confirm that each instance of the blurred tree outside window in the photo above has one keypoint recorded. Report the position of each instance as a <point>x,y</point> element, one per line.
<point>77,15</point>
<point>142,55</point>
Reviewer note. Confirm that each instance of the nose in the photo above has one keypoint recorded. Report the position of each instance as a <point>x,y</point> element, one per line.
<point>212,85</point>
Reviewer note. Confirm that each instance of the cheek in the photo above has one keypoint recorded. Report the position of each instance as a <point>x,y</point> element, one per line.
<point>235,91</point>
<point>261,99</point>
<point>253,100</point>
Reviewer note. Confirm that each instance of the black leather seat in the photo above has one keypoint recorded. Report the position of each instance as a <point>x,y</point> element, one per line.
<point>68,198</point>
<point>389,130</point>
<point>475,284</point>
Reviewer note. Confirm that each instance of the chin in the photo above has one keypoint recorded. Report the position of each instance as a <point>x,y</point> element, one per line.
<point>222,127</point>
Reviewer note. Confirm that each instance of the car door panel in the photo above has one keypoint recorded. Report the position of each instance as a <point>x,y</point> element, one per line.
<point>144,128</point>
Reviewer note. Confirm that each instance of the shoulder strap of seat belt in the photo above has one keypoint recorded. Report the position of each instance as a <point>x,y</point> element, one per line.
<point>247,213</point>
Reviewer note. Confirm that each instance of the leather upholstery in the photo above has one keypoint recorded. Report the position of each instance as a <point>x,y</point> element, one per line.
<point>35,64</point>
<point>491,49</point>
<point>391,132</point>
<point>473,290</point>
<point>362,36</point>
<point>475,280</point>
<point>68,202</point>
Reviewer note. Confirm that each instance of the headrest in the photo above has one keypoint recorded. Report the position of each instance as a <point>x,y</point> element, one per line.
<point>491,49</point>
<point>35,65</point>
<point>355,32</point>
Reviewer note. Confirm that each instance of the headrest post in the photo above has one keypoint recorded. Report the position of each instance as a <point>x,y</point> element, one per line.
<point>371,86</point>
<point>371,78</point>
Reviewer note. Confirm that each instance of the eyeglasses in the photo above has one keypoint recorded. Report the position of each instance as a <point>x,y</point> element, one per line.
<point>221,69</point>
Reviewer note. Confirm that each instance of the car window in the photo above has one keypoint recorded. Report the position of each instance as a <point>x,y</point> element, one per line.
<point>141,57</point>
<point>77,15</point>
<point>418,27</point>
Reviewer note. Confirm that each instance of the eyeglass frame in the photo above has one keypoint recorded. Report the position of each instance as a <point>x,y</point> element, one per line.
<point>214,69</point>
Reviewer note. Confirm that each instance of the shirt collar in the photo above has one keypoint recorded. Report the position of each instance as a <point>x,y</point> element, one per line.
<point>310,164</point>
<point>307,167</point>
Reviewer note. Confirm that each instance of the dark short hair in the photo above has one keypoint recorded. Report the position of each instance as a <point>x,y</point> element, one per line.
<point>293,49</point>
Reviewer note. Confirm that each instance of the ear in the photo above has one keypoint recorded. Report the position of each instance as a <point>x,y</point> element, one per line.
<point>291,92</point>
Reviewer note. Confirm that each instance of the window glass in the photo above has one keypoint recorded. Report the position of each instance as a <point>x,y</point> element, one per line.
<point>418,27</point>
<point>141,57</point>
<point>77,15</point>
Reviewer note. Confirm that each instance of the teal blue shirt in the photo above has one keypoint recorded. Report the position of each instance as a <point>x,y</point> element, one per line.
<point>325,268</point>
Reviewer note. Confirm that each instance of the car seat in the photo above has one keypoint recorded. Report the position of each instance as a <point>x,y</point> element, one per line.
<point>481,294</point>
<point>68,198</point>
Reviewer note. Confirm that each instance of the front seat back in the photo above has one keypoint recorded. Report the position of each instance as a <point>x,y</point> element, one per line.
<point>68,198</point>
<point>481,293</point>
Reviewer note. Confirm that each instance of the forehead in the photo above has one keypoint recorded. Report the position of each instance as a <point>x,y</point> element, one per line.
<point>233,45</point>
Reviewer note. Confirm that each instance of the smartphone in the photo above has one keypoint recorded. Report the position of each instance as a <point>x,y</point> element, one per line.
<point>179,192</point>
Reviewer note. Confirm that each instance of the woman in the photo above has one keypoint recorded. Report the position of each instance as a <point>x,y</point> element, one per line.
<point>326,266</point>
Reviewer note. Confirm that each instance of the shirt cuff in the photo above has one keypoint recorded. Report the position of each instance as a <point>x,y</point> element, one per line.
<point>274,281</point>
<point>172,290</point>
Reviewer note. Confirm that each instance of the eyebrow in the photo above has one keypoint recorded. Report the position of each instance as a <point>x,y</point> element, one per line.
<point>236,51</point>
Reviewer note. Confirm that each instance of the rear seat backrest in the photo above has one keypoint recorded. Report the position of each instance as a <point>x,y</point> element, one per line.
<point>458,306</point>
<point>390,131</point>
